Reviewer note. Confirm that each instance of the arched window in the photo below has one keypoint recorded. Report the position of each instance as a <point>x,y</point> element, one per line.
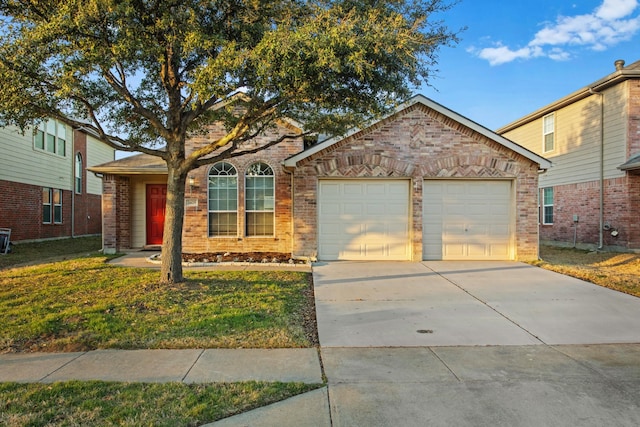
<point>259,200</point>
<point>223,200</point>
<point>78,173</point>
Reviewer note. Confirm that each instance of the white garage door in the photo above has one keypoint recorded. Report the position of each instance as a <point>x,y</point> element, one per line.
<point>464,219</point>
<point>363,219</point>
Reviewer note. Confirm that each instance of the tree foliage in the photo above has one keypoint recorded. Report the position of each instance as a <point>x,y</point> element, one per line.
<point>144,75</point>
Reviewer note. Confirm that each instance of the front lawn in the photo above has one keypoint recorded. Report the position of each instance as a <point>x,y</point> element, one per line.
<point>37,252</point>
<point>84,304</point>
<point>99,403</point>
<point>619,271</point>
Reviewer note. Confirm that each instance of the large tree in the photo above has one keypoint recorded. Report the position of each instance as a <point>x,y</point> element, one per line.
<point>144,75</point>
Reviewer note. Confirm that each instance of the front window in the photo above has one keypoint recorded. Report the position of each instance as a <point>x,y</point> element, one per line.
<point>223,200</point>
<point>548,132</point>
<point>51,136</point>
<point>78,173</point>
<point>260,200</point>
<point>547,205</point>
<point>51,206</point>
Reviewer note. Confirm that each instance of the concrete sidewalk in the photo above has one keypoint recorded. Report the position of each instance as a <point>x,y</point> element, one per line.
<point>188,366</point>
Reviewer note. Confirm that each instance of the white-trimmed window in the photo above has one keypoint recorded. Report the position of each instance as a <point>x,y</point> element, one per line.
<point>548,133</point>
<point>51,136</point>
<point>51,206</point>
<point>78,173</point>
<point>259,200</point>
<point>223,200</point>
<point>547,205</point>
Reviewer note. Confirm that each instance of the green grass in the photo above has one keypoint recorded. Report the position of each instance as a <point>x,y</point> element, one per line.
<point>84,304</point>
<point>35,252</point>
<point>134,404</point>
<point>52,299</point>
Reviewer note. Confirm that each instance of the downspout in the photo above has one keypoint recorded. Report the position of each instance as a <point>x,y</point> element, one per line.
<point>73,184</point>
<point>293,207</point>
<point>601,201</point>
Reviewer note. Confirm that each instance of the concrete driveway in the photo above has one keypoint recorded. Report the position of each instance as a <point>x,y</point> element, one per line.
<point>474,344</point>
<point>404,304</point>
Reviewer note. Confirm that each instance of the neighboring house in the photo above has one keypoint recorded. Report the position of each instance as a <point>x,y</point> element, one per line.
<point>422,183</point>
<point>591,196</point>
<point>45,190</point>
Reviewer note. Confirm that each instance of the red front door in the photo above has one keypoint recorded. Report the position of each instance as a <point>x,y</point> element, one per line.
<point>156,201</point>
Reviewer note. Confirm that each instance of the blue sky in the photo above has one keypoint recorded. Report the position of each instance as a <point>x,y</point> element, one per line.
<point>517,56</point>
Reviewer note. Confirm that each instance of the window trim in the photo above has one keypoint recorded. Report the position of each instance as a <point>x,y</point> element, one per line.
<point>210,211</point>
<point>247,211</point>
<point>53,206</point>
<point>546,132</point>
<point>51,129</point>
<point>78,181</point>
<point>546,205</point>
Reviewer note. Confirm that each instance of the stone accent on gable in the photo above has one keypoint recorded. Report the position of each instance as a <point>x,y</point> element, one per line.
<point>417,143</point>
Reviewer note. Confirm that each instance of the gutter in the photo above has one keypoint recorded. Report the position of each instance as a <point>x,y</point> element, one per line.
<point>619,76</point>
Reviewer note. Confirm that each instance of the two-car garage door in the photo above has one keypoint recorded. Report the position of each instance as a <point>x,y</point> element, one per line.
<point>369,219</point>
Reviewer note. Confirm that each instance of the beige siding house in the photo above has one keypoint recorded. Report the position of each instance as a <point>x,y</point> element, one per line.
<point>421,183</point>
<point>591,195</point>
<point>45,190</point>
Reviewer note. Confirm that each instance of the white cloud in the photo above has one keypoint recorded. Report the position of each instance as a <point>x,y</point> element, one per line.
<point>609,24</point>
<point>615,9</point>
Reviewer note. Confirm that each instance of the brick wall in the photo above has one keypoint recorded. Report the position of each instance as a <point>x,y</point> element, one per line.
<point>621,204</point>
<point>87,216</point>
<point>195,233</point>
<point>116,210</point>
<point>417,143</point>
<point>21,210</point>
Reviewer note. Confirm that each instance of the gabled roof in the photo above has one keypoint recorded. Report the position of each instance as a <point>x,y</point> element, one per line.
<point>543,163</point>
<point>139,164</point>
<point>622,73</point>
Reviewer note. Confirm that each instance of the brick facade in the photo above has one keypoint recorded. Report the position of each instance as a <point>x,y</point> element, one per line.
<point>21,211</point>
<point>116,211</point>
<point>621,204</point>
<point>195,233</point>
<point>418,143</point>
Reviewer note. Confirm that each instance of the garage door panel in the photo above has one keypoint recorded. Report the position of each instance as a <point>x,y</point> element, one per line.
<point>368,220</point>
<point>352,209</point>
<point>467,219</point>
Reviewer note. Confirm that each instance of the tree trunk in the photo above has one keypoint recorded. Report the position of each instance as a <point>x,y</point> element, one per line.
<point>171,268</point>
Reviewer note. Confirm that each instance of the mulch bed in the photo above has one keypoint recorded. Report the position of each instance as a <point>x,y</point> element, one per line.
<point>255,257</point>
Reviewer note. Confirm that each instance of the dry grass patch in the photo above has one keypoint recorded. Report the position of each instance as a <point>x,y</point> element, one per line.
<point>618,271</point>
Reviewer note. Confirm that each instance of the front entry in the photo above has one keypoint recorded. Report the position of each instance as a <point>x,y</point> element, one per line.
<point>156,201</point>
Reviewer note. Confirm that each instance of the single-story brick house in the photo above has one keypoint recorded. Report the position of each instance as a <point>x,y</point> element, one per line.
<point>421,183</point>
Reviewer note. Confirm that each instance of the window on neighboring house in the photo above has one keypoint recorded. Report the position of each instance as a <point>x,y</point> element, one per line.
<point>51,206</point>
<point>547,205</point>
<point>548,132</point>
<point>223,200</point>
<point>259,200</point>
<point>51,136</point>
<point>78,173</point>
